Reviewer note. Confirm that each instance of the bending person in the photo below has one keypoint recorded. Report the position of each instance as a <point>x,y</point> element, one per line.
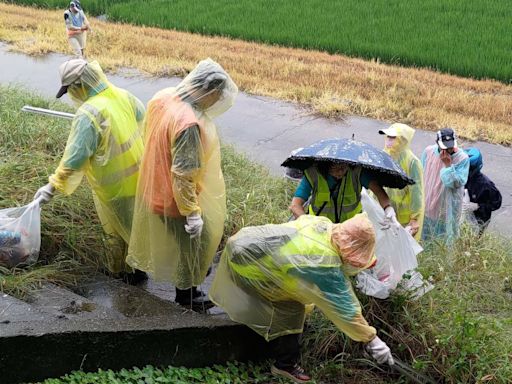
<point>409,203</point>
<point>334,191</point>
<point>181,200</point>
<point>268,274</point>
<point>105,145</point>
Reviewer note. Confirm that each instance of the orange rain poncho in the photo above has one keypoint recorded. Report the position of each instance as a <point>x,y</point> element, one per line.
<point>181,175</point>
<point>105,145</point>
<point>269,274</point>
<point>409,202</point>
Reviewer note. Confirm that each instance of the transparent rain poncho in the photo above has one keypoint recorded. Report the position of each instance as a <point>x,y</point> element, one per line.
<point>106,146</point>
<point>408,202</point>
<point>444,190</point>
<point>268,275</point>
<point>180,175</point>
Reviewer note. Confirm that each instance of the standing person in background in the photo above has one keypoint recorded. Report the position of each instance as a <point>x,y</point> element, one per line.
<point>409,203</point>
<point>446,169</point>
<point>482,194</point>
<point>105,145</point>
<point>181,199</point>
<point>77,27</point>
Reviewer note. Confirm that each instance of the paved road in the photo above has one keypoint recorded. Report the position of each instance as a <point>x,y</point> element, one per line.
<point>265,129</point>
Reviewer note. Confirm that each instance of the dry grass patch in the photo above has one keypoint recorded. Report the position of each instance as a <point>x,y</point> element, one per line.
<point>332,85</point>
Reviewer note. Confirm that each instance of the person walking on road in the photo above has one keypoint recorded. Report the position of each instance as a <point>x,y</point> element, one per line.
<point>268,274</point>
<point>408,202</point>
<point>77,27</point>
<point>181,201</point>
<point>446,169</point>
<point>105,145</point>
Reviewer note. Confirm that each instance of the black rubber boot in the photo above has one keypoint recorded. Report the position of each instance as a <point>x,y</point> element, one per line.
<point>135,278</point>
<point>193,299</point>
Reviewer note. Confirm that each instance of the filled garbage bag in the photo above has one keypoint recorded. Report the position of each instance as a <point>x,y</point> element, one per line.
<point>20,235</point>
<point>396,256</point>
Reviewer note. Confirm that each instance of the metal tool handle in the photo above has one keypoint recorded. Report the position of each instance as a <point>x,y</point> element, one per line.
<point>48,112</point>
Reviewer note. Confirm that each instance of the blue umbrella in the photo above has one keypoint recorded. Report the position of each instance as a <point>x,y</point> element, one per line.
<point>378,163</point>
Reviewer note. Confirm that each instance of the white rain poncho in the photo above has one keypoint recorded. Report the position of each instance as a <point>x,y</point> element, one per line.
<point>408,202</point>
<point>105,145</point>
<point>268,275</point>
<point>444,190</point>
<point>181,175</point>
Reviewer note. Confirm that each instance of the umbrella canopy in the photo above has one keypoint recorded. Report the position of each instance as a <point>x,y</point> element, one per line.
<point>379,164</point>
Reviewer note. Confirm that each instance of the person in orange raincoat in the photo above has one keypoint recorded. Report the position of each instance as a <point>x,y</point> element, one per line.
<point>181,201</point>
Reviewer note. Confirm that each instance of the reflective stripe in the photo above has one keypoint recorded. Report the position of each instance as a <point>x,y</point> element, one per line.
<point>118,176</point>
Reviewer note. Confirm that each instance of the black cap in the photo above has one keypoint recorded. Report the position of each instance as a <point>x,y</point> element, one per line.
<point>446,138</point>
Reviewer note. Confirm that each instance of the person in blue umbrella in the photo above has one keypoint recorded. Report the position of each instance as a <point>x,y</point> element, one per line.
<point>334,191</point>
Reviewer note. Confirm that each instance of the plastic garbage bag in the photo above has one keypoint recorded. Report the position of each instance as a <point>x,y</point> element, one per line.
<point>396,256</point>
<point>20,235</point>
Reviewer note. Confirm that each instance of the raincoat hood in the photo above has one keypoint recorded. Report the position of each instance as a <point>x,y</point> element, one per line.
<point>208,88</point>
<point>475,159</point>
<point>91,81</point>
<point>355,241</point>
<point>403,134</point>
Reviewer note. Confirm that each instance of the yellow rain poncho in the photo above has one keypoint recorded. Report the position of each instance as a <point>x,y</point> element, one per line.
<point>409,202</point>
<point>181,175</point>
<point>268,274</point>
<point>106,146</point>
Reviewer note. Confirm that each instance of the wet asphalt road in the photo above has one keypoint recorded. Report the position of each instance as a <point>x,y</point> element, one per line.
<point>265,129</point>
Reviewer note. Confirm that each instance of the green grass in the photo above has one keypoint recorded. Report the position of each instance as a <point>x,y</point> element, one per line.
<point>469,38</point>
<point>231,373</point>
<point>461,331</point>
<point>31,147</point>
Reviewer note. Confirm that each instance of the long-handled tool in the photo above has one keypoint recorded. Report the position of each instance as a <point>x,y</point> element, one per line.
<point>48,112</point>
<point>410,373</point>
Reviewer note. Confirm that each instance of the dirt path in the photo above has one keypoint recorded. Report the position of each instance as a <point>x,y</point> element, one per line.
<point>265,129</point>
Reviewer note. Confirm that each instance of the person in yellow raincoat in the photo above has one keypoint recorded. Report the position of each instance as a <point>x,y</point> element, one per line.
<point>106,146</point>
<point>268,274</point>
<point>409,202</point>
<point>181,200</point>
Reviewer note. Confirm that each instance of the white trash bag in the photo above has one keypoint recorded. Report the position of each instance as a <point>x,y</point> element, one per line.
<point>396,258</point>
<point>20,235</point>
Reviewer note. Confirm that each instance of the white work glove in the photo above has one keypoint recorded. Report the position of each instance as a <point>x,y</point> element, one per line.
<point>194,225</point>
<point>45,193</point>
<point>380,351</point>
<point>390,221</point>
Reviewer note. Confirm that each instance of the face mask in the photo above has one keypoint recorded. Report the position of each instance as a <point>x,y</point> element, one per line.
<point>78,94</point>
<point>389,141</point>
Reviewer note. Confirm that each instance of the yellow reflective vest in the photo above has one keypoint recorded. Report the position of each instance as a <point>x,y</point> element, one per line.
<point>348,201</point>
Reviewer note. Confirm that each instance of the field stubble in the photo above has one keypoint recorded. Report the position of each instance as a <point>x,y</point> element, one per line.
<point>332,85</point>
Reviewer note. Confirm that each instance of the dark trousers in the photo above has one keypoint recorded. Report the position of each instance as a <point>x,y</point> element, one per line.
<point>286,351</point>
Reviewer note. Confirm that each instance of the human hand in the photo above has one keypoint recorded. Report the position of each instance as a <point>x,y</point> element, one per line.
<point>194,225</point>
<point>390,221</point>
<point>45,193</point>
<point>446,158</point>
<point>412,227</point>
<point>380,351</point>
